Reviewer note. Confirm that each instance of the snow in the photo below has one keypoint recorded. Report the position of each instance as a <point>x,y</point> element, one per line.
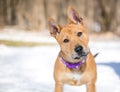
<point>30,69</point>
<point>26,36</point>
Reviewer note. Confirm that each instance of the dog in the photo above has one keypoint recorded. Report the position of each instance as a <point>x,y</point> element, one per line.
<point>75,64</point>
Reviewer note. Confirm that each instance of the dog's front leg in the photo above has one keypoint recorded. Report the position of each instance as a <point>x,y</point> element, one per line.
<point>58,87</point>
<point>91,88</point>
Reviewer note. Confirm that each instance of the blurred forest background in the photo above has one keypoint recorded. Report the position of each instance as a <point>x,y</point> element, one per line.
<point>99,15</point>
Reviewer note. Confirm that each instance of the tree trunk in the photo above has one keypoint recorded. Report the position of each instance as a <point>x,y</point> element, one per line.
<point>107,17</point>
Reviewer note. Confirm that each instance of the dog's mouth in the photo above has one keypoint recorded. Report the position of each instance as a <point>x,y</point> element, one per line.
<point>77,58</point>
<point>81,56</point>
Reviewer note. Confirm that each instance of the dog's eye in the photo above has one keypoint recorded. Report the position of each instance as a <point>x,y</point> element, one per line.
<point>65,40</point>
<point>79,34</point>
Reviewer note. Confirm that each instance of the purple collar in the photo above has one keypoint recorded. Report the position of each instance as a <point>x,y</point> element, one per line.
<point>72,65</point>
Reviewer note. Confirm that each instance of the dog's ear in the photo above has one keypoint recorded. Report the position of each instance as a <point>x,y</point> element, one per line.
<point>73,16</point>
<point>54,28</point>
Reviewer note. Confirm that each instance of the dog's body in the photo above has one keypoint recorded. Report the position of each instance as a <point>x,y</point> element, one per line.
<point>75,64</point>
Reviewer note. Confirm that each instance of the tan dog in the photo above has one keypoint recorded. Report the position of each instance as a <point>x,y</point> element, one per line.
<point>75,64</point>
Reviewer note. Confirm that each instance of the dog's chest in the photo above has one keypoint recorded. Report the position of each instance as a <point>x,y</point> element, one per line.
<point>74,77</point>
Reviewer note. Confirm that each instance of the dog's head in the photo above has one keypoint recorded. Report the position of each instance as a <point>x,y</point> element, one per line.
<point>72,38</point>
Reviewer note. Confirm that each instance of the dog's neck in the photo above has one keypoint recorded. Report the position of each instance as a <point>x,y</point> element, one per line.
<point>72,65</point>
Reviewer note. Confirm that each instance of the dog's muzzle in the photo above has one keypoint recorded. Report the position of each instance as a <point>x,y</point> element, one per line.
<point>80,52</point>
<point>78,49</point>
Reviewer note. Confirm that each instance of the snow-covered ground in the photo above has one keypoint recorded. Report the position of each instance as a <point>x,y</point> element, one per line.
<point>30,69</point>
<point>26,36</point>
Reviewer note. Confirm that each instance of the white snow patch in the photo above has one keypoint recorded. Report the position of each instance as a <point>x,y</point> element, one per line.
<point>26,36</point>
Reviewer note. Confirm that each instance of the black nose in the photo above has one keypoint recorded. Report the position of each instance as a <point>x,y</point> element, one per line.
<point>79,49</point>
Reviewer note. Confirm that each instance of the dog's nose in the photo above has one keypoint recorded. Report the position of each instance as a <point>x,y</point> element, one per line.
<point>78,49</point>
